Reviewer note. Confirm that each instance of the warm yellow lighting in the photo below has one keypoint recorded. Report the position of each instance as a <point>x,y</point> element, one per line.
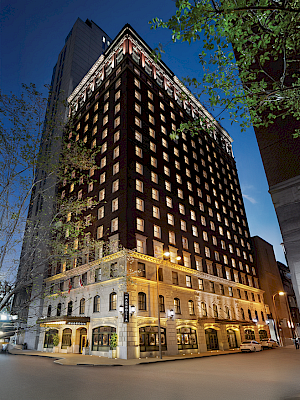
<point>178,258</point>
<point>281,293</point>
<point>166,254</point>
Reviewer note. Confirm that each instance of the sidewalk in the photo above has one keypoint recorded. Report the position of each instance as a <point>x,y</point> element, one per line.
<point>79,359</point>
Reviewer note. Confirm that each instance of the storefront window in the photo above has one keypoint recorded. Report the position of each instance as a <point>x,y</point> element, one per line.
<point>101,338</point>
<point>249,334</point>
<point>149,338</point>
<point>186,338</point>
<point>49,337</point>
<point>66,338</point>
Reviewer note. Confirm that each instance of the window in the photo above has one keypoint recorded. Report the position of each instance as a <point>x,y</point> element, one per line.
<point>164,142</point>
<point>205,236</point>
<point>114,224</point>
<point>113,301</point>
<point>168,186</point>
<point>169,202</point>
<point>155,194</point>
<point>191,307</point>
<point>115,186</point>
<point>167,171</point>
<point>151,119</point>
<point>117,95</point>
<point>196,247</point>
<point>100,232</point>
<point>102,177</point>
<point>177,306</point>
<point>140,246</point>
<point>153,162</point>
<point>194,230</point>
<point>137,95</point>
<point>137,108</point>
<point>103,162</point>
<point>215,311</point>
<point>157,231</point>
<point>114,204</point>
<point>117,108</point>
<point>140,224</point>
<point>161,302</point>
<point>172,237</point>
<point>174,278</point>
<point>137,83</point>
<point>212,287</point>
<point>150,106</point>
<point>139,185</point>
<point>116,168</point>
<point>142,301</point>
<point>165,156</point>
<point>138,122</point>
<point>154,177</point>
<point>183,225</point>
<point>116,152</point>
<point>96,306</point>
<point>185,243</point>
<point>82,306</point>
<point>139,203</point>
<point>230,291</point>
<point>116,136</point>
<point>207,252</point>
<point>155,212</point>
<point>139,168</point>
<point>105,120</point>
<point>188,281</point>
<point>101,212</point>
<point>177,164</point>
<point>152,146</point>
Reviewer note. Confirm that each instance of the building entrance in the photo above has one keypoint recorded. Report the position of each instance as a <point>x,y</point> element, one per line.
<point>83,339</point>
<point>231,336</point>
<point>211,337</point>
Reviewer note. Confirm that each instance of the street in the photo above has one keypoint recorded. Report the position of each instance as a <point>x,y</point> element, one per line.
<point>267,375</point>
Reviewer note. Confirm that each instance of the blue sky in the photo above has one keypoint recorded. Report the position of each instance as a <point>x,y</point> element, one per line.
<point>33,34</point>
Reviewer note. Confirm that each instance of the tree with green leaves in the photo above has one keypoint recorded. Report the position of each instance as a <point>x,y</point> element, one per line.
<point>249,54</point>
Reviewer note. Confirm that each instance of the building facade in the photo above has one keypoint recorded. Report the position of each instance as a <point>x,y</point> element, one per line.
<point>169,221</point>
<point>83,46</point>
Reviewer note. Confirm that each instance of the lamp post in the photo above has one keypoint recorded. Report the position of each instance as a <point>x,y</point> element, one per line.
<point>280,293</point>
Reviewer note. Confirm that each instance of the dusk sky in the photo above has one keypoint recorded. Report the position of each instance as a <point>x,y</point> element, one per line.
<point>33,33</point>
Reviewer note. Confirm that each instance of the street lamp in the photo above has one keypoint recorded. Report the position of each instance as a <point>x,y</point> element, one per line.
<point>280,293</point>
<point>166,254</point>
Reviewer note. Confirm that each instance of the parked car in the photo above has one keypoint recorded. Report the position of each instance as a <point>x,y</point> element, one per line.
<point>250,345</point>
<point>269,343</point>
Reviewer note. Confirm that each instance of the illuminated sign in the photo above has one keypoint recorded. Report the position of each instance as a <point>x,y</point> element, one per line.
<point>126,307</point>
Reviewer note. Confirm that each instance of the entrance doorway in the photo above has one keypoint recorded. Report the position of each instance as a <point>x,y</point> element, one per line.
<point>83,339</point>
<point>231,336</point>
<point>211,337</point>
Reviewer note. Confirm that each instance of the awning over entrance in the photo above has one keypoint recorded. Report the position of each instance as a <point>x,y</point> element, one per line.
<point>63,320</point>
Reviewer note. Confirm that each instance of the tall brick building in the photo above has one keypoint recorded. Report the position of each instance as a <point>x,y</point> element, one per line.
<point>155,195</point>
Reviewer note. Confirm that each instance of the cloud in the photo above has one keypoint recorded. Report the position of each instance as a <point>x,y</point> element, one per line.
<point>251,199</point>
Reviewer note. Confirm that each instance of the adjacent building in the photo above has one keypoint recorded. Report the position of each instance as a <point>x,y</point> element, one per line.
<point>170,223</point>
<point>83,46</point>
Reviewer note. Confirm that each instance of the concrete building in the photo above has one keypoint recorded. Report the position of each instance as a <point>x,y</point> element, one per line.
<point>155,195</point>
<point>83,46</point>
<point>277,307</point>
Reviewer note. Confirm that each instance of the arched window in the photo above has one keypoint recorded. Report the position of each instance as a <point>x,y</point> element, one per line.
<point>215,311</point>
<point>70,308</point>
<point>101,338</point>
<point>49,311</point>
<point>96,307</point>
<point>82,306</point>
<point>263,334</point>
<point>142,301</point>
<point>249,314</point>
<point>249,334</point>
<point>58,310</point>
<point>177,306</point>
<point>161,303</point>
<point>262,316</point>
<point>113,301</point>
<point>49,337</point>
<point>191,307</point>
<point>204,309</point>
<point>242,314</point>
<point>66,338</point>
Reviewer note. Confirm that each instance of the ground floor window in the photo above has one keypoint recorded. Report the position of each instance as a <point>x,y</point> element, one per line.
<point>249,334</point>
<point>66,338</point>
<point>49,337</point>
<point>263,334</point>
<point>149,338</point>
<point>101,338</point>
<point>186,338</point>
